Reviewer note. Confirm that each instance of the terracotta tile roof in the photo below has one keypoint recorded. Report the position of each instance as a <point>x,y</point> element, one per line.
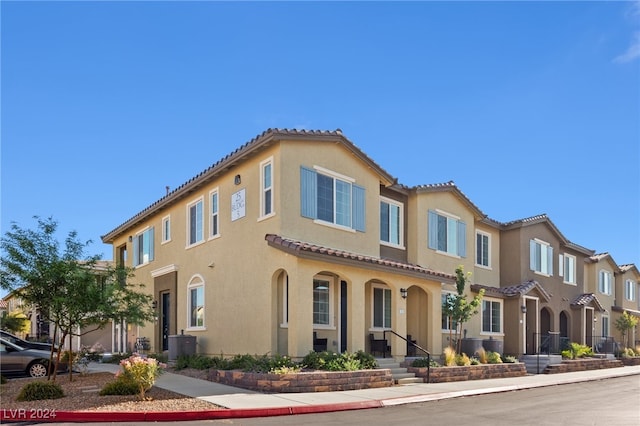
<point>239,155</point>
<point>543,218</point>
<point>586,299</point>
<point>513,290</point>
<point>451,187</point>
<point>300,248</point>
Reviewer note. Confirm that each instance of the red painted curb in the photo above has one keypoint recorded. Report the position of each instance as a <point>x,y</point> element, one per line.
<point>22,415</point>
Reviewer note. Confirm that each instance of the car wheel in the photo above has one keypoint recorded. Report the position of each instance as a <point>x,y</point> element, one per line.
<point>38,369</point>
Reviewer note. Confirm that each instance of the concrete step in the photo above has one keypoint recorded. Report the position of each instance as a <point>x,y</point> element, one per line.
<point>399,374</point>
<point>409,380</point>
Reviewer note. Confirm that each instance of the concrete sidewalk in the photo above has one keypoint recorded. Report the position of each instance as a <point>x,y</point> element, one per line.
<point>246,401</point>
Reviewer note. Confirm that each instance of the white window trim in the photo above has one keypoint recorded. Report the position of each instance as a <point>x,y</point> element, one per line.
<point>450,216</point>
<point>373,327</point>
<point>188,222</point>
<point>608,291</point>
<point>135,236</point>
<point>546,244</point>
<point>196,281</point>
<point>285,303</point>
<point>490,333</point>
<point>488,235</point>
<point>213,236</point>
<point>630,284</point>
<point>401,220</point>
<point>333,174</point>
<point>263,164</point>
<point>332,285</point>
<point>562,271</point>
<point>166,220</point>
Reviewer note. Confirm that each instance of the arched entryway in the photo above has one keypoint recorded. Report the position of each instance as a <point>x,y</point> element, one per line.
<point>418,319</point>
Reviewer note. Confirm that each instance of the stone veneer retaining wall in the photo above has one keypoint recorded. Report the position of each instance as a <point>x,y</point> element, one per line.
<point>569,365</point>
<point>631,361</point>
<point>317,381</point>
<point>471,372</point>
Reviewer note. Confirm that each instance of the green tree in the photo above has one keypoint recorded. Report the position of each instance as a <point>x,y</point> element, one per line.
<point>73,290</point>
<point>458,309</point>
<point>624,324</point>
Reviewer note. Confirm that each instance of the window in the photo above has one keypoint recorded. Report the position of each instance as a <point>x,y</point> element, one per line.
<point>541,257</point>
<point>143,247</point>
<point>567,268</point>
<point>482,249</point>
<point>391,219</point>
<point>321,302</point>
<point>266,185</point>
<point>329,197</point>
<point>604,282</point>
<point>196,302</point>
<point>166,229</point>
<point>605,326</point>
<point>195,226</point>
<point>381,307</point>
<point>214,225</point>
<point>448,324</point>
<point>629,290</point>
<point>491,316</point>
<point>447,234</point>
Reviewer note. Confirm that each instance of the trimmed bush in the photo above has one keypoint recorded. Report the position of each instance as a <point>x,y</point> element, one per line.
<point>35,391</point>
<point>120,386</point>
<point>494,358</point>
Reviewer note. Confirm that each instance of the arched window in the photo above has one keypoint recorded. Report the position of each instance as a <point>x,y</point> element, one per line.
<point>195,301</point>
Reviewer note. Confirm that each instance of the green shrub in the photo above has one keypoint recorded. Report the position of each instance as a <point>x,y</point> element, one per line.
<point>422,362</point>
<point>36,391</point>
<point>120,386</point>
<point>493,358</point>
<point>462,360</point>
<point>510,359</point>
<point>475,361</point>
<point>577,350</point>
<point>367,361</point>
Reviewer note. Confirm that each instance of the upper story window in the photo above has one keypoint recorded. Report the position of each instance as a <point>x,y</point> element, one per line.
<point>195,223</point>
<point>483,249</point>
<point>630,290</point>
<point>214,225</point>
<point>391,222</point>
<point>143,247</point>
<point>166,229</point>
<point>491,316</point>
<point>195,300</point>
<point>541,257</point>
<point>322,301</point>
<point>447,233</point>
<point>604,282</point>
<point>332,198</point>
<point>567,268</point>
<point>381,307</point>
<point>266,188</point>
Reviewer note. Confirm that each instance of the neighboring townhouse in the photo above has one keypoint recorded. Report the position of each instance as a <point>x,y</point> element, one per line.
<point>600,281</point>
<point>447,231</point>
<point>543,284</point>
<point>627,282</point>
<point>294,241</point>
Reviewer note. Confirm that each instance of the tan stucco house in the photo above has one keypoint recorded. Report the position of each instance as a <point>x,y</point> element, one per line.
<point>297,241</point>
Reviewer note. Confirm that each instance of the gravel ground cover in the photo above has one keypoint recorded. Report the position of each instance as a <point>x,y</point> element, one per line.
<point>81,394</point>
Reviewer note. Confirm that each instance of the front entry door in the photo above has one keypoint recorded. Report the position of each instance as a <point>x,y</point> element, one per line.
<point>165,320</point>
<point>343,316</point>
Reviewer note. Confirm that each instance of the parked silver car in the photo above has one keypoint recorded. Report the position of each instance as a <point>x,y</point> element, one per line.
<point>27,344</point>
<point>16,360</point>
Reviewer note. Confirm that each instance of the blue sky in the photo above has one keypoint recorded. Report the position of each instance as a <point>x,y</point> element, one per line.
<point>529,107</point>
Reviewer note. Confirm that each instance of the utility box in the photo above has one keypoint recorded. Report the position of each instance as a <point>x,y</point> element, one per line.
<point>181,344</point>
